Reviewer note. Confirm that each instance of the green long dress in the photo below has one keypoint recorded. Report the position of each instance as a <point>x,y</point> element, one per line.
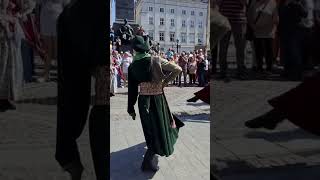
<point>156,118</point>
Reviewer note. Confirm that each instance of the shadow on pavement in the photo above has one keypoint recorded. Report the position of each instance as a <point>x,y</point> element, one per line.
<point>125,164</point>
<point>200,103</point>
<point>242,170</point>
<point>253,76</point>
<point>199,118</point>
<point>44,101</point>
<point>282,136</point>
<point>122,93</point>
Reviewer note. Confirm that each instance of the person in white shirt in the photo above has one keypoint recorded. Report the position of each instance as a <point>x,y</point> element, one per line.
<point>126,61</point>
<point>207,75</point>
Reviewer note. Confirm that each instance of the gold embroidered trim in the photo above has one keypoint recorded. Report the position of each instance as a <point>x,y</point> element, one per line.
<point>149,88</point>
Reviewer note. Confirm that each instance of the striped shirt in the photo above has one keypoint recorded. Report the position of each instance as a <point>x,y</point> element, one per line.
<point>234,10</point>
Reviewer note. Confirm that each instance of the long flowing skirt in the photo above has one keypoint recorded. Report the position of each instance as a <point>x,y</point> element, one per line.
<point>156,120</point>
<point>301,104</point>
<point>204,94</point>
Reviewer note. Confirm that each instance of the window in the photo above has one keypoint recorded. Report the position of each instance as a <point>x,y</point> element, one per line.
<point>151,9</point>
<point>200,24</point>
<point>192,24</point>
<point>200,38</point>
<point>172,37</point>
<point>184,12</point>
<point>191,35</point>
<point>200,13</point>
<point>183,23</point>
<point>161,21</point>
<point>161,36</point>
<point>162,10</point>
<point>150,20</point>
<point>151,35</point>
<point>192,13</point>
<point>172,22</point>
<point>172,11</point>
<point>183,37</point>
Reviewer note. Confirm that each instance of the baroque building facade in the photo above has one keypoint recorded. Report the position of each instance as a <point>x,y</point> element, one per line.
<point>172,21</point>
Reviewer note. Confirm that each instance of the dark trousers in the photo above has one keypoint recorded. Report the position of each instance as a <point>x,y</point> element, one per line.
<point>315,44</point>
<point>192,78</point>
<point>184,73</point>
<point>28,60</point>
<point>74,97</point>
<point>264,49</point>
<point>201,78</point>
<point>238,32</point>
<point>307,35</point>
<point>291,45</point>
<point>214,57</point>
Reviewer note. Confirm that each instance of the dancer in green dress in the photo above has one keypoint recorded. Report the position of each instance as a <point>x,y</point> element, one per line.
<point>160,127</point>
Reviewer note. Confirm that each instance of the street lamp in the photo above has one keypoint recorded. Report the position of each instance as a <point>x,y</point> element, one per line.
<point>177,45</point>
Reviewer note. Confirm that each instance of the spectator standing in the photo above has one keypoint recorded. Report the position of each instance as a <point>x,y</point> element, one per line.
<point>113,76</point>
<point>201,71</point>
<point>126,61</point>
<point>207,74</point>
<point>183,63</point>
<point>316,31</point>
<point>50,11</point>
<point>295,20</point>
<point>192,67</point>
<point>306,25</point>
<point>263,18</point>
<point>235,11</point>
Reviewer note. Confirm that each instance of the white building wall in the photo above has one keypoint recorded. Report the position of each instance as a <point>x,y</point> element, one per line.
<point>143,14</point>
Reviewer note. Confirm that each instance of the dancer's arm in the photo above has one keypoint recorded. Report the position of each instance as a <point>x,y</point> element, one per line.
<point>174,70</point>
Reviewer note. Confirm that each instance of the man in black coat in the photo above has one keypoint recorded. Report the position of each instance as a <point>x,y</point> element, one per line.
<point>82,54</point>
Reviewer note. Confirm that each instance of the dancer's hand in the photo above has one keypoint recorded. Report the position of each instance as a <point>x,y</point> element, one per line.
<point>133,116</point>
<point>164,84</point>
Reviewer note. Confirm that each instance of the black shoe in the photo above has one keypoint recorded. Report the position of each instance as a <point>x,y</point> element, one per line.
<point>242,75</point>
<point>214,177</point>
<point>6,105</point>
<point>193,99</point>
<point>75,169</point>
<point>260,123</point>
<point>269,120</point>
<point>150,162</point>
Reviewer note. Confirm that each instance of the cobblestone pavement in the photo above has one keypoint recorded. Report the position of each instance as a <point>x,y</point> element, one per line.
<point>190,160</point>
<point>27,139</point>
<point>238,153</point>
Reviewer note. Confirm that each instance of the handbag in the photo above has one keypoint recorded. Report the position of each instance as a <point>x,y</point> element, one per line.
<point>249,33</point>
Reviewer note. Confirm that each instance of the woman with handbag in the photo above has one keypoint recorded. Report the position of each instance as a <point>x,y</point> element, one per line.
<point>263,19</point>
<point>160,127</point>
